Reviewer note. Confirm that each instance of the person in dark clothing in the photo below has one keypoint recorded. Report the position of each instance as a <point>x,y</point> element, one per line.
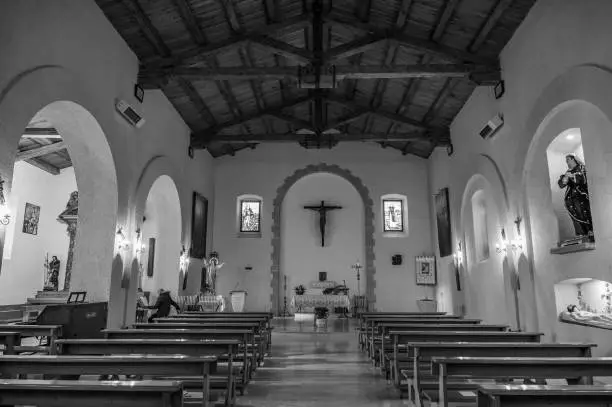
<point>162,305</point>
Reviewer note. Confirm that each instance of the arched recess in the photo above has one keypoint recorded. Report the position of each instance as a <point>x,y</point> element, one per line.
<point>482,278</point>
<point>576,99</point>
<point>60,97</point>
<point>368,205</point>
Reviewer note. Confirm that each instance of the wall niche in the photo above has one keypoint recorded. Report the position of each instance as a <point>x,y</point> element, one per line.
<point>584,301</point>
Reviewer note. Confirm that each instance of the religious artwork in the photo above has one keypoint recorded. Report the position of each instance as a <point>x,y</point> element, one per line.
<point>199,220</point>
<point>250,215</point>
<point>70,216</point>
<point>576,199</point>
<point>31,218</point>
<point>4,214</point>
<point>396,260</point>
<point>212,265</point>
<point>322,209</point>
<point>52,269</point>
<point>443,223</point>
<point>322,275</point>
<point>426,270</point>
<point>151,257</point>
<point>575,315</point>
<point>393,210</point>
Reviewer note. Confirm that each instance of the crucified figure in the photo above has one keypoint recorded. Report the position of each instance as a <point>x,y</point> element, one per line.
<point>322,209</point>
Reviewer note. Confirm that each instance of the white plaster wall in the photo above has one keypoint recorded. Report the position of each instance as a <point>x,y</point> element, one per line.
<point>94,70</point>
<point>540,68</point>
<point>302,257</point>
<point>22,267</point>
<point>263,170</point>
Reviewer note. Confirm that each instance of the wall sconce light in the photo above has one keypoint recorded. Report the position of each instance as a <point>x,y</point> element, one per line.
<point>458,256</point>
<point>5,213</point>
<point>121,240</point>
<point>503,246</point>
<point>139,246</point>
<point>184,259</point>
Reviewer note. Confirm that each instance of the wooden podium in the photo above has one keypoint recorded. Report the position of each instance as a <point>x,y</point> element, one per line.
<point>238,299</point>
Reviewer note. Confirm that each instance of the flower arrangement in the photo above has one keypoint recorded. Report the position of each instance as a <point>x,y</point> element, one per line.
<point>299,290</point>
<point>321,312</point>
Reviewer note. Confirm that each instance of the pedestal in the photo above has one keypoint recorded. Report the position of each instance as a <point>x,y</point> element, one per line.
<point>238,298</point>
<point>427,305</point>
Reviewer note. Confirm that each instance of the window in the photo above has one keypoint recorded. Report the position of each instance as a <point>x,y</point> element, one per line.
<point>394,215</point>
<point>481,229</point>
<point>393,210</point>
<point>250,216</point>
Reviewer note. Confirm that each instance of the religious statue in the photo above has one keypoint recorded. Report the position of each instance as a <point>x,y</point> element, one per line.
<point>322,209</point>
<point>69,216</point>
<point>574,180</point>
<point>52,269</point>
<point>212,266</point>
<point>573,314</point>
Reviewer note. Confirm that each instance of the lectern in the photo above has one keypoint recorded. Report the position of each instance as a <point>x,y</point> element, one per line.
<point>238,298</point>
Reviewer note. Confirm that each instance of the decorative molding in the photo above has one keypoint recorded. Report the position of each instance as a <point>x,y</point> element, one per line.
<point>368,206</point>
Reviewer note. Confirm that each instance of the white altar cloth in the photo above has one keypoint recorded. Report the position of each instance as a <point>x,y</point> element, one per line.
<point>329,301</point>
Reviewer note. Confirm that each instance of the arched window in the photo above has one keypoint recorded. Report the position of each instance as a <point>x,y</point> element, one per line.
<point>394,215</point>
<point>481,230</point>
<point>248,211</point>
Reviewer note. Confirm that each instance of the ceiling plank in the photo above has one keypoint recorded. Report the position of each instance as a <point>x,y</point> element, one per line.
<point>230,15</point>
<point>197,100</point>
<point>445,18</point>
<point>43,165</point>
<point>190,21</point>
<point>299,55</point>
<point>351,48</point>
<point>293,137</point>
<point>299,123</point>
<point>490,22</point>
<point>149,31</point>
<point>410,41</point>
<point>272,9</point>
<point>40,151</point>
<point>363,9</point>
<point>40,131</point>
<point>346,120</point>
<point>403,14</point>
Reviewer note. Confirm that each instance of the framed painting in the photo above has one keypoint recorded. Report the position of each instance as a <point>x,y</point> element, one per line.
<point>426,270</point>
<point>31,217</point>
<point>199,224</point>
<point>151,258</point>
<point>443,223</point>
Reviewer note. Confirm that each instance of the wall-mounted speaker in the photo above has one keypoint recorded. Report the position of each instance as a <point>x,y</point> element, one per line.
<point>397,259</point>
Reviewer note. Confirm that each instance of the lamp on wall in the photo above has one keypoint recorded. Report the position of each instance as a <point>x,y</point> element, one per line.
<point>5,213</point>
<point>139,246</point>
<point>357,267</point>
<point>502,247</point>
<point>458,256</point>
<point>515,244</point>
<point>121,241</point>
<point>184,259</point>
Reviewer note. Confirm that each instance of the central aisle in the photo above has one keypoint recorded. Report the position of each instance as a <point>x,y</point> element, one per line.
<point>309,368</point>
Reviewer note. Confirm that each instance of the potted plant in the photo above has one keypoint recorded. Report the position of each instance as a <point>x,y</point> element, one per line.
<point>321,314</point>
<point>299,290</point>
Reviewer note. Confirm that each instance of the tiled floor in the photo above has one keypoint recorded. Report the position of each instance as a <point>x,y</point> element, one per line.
<point>310,367</point>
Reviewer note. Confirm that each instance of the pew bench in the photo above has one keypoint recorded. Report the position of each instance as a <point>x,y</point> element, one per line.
<point>245,336</point>
<point>211,347</point>
<point>140,365</point>
<point>534,396</point>
<point>418,373</point>
<point>9,339</point>
<point>580,369</point>
<point>51,332</point>
<point>61,393</point>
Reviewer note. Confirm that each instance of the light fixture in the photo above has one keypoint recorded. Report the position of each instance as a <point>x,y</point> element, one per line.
<point>5,213</point>
<point>570,136</point>
<point>458,256</point>
<point>357,267</point>
<point>502,247</point>
<point>184,259</point>
<point>121,240</point>
<point>139,246</point>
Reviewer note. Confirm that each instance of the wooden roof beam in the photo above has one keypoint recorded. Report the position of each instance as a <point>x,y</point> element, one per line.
<point>445,17</point>
<point>147,27</point>
<point>230,14</point>
<point>40,151</point>
<point>351,48</point>
<point>402,15</point>
<point>406,40</point>
<point>190,21</point>
<point>43,165</point>
<point>197,100</point>
<point>296,54</point>
<point>353,117</point>
<point>492,19</point>
<point>293,137</point>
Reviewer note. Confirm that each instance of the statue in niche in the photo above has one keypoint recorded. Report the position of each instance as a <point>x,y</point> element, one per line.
<point>70,217</point>
<point>52,269</point>
<point>575,315</point>
<point>574,180</point>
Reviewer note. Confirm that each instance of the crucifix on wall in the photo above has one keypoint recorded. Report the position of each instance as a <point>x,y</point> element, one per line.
<point>322,209</point>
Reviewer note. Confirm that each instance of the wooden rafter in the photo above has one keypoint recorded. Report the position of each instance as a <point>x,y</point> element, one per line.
<point>293,137</point>
<point>492,19</point>
<point>402,14</point>
<point>43,165</point>
<point>40,151</point>
<point>190,21</point>
<point>41,132</point>
<point>147,27</point>
<point>445,18</point>
<point>406,40</point>
<point>197,100</point>
<point>346,120</point>
<point>299,55</point>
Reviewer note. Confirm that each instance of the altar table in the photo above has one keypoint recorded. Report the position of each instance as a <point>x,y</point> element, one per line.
<point>328,301</point>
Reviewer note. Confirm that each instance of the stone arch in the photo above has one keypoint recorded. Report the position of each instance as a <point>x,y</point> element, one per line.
<point>64,100</point>
<point>368,205</point>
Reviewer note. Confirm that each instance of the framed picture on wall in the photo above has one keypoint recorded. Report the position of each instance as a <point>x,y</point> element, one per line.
<point>426,270</point>
<point>31,217</point>
<point>443,223</point>
<point>151,258</point>
<point>199,221</point>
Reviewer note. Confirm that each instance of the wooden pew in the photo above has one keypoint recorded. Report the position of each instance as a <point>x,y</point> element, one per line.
<point>142,365</point>
<point>10,340</point>
<point>490,395</point>
<point>210,347</point>
<point>52,332</point>
<point>424,352</point>
<point>517,367</point>
<point>246,336</point>
<point>401,339</point>
<point>401,326</point>
<point>68,393</point>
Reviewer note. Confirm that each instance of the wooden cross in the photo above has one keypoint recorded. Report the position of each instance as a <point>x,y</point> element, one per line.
<point>322,209</point>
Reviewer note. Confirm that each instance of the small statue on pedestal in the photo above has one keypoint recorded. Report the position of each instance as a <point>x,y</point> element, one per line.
<point>52,269</point>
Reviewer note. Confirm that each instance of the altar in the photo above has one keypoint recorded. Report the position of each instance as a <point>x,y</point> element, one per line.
<point>300,302</point>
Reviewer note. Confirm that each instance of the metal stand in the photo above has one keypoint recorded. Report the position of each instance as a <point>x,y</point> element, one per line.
<point>285,309</point>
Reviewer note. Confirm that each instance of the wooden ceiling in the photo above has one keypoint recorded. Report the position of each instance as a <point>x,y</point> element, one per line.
<point>317,72</point>
<point>42,146</point>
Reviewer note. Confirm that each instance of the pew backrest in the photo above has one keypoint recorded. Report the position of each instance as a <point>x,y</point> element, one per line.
<point>490,395</point>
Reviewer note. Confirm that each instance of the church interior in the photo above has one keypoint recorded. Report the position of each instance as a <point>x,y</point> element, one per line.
<point>299,202</point>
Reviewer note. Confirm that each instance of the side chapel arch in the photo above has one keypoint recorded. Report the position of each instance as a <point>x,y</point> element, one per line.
<point>368,205</point>
<point>61,97</point>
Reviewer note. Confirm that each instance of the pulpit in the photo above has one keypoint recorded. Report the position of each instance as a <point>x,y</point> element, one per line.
<point>238,299</point>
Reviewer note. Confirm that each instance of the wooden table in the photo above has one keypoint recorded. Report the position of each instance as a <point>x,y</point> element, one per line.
<point>69,393</point>
<point>535,396</point>
<point>142,365</point>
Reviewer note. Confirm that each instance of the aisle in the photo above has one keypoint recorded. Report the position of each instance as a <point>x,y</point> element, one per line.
<point>310,368</point>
